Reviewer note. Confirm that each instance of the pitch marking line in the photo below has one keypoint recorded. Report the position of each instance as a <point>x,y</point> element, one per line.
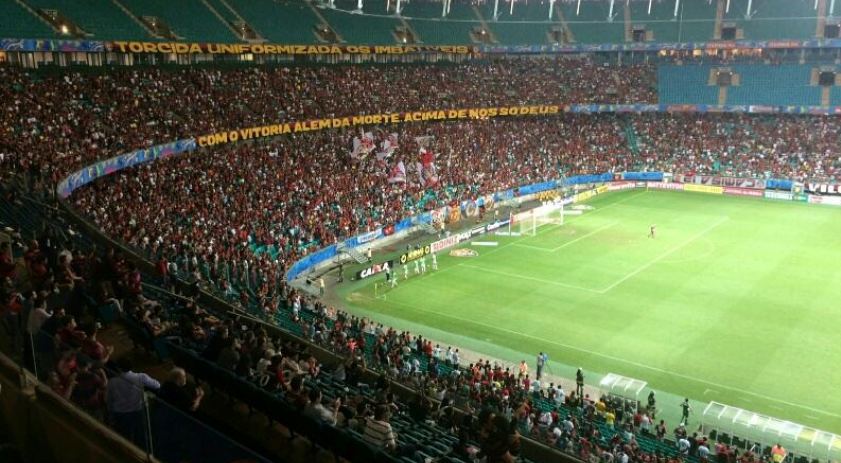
<point>666,254</point>
<point>568,243</point>
<point>617,359</point>
<point>525,277</point>
<point>539,232</point>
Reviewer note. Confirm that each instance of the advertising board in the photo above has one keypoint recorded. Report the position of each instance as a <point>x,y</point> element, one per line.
<point>779,195</point>
<point>374,270</point>
<point>716,190</point>
<point>415,254</point>
<point>732,190</point>
<point>665,185</point>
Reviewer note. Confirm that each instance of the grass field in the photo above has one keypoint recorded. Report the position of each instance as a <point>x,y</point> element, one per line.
<point>737,300</point>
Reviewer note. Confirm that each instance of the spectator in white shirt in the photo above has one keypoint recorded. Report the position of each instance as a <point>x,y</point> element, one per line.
<point>125,398</point>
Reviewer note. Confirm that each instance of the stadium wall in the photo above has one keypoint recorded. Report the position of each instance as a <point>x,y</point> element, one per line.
<point>42,424</point>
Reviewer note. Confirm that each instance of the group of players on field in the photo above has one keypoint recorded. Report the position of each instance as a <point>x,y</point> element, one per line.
<point>420,268</point>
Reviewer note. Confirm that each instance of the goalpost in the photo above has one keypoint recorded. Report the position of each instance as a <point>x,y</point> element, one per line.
<point>526,223</point>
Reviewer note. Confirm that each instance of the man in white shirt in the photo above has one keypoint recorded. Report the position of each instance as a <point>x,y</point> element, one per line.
<point>378,432</point>
<point>317,411</point>
<point>125,400</point>
<point>683,446</point>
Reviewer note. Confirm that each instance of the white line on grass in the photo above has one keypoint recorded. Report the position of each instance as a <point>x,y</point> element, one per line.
<point>666,254</point>
<point>568,243</point>
<point>540,232</point>
<point>526,277</point>
<point>616,359</point>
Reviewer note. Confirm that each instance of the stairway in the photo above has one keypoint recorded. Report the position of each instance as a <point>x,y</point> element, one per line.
<point>629,30</point>
<point>568,35</point>
<point>820,25</point>
<point>631,137</point>
<point>222,19</point>
<point>428,228</point>
<point>719,18</point>
<point>135,19</point>
<point>485,26</point>
<point>353,253</point>
<point>722,95</point>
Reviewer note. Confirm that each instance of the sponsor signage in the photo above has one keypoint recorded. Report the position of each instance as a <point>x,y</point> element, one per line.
<point>447,242</point>
<point>602,189</point>
<point>779,195</point>
<point>823,188</point>
<point>477,231</point>
<point>616,186</point>
<point>584,196</point>
<point>801,197</point>
<point>415,254</point>
<point>665,185</point>
<point>716,190</point>
<point>731,190</point>
<point>495,225</point>
<point>374,269</point>
<point>370,236</point>
<point>827,200</point>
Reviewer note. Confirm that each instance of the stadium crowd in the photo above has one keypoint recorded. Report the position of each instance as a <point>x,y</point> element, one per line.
<point>213,211</point>
<point>56,122</point>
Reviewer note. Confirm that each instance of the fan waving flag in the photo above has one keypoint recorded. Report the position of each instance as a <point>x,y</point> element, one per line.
<point>428,171</point>
<point>388,146</point>
<point>398,173</point>
<point>362,146</point>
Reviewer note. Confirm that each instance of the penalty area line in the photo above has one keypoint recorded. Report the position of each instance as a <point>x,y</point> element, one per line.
<point>616,359</point>
<point>568,243</point>
<point>526,277</point>
<point>666,254</point>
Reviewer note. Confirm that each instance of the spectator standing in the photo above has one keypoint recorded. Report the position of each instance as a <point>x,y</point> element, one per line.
<point>125,402</point>
<point>378,432</point>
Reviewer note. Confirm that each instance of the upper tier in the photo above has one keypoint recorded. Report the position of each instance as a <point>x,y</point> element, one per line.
<point>296,21</point>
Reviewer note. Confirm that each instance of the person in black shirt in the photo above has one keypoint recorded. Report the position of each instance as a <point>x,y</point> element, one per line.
<point>179,394</point>
<point>579,384</point>
<point>685,409</point>
<point>652,405</point>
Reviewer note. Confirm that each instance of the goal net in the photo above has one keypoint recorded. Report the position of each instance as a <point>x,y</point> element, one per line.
<point>527,223</point>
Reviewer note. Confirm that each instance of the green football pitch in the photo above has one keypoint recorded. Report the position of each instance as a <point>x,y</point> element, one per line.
<point>737,300</point>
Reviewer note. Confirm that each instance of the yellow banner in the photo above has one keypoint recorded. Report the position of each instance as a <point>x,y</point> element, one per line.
<point>311,125</point>
<point>278,49</point>
<point>717,190</point>
<point>583,196</point>
<point>602,189</point>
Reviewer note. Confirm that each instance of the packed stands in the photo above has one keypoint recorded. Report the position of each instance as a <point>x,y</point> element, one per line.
<point>233,218</point>
<point>304,92</point>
